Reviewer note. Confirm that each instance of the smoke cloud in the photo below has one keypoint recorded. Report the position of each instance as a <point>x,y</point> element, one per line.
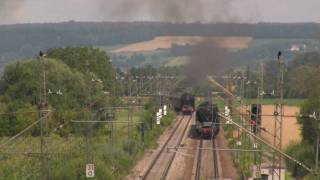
<point>206,57</point>
<point>31,11</point>
<point>9,8</point>
<point>171,10</point>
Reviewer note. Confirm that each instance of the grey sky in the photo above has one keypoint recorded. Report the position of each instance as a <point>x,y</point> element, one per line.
<point>27,11</point>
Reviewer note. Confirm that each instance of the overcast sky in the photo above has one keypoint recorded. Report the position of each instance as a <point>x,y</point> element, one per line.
<point>28,11</point>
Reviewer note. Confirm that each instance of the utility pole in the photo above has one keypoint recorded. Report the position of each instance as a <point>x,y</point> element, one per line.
<point>278,117</point>
<point>241,78</point>
<point>88,116</point>
<point>129,112</point>
<point>229,103</point>
<point>317,149</point>
<point>258,155</point>
<point>129,125</point>
<point>317,118</point>
<point>159,90</point>
<point>140,81</point>
<point>43,110</point>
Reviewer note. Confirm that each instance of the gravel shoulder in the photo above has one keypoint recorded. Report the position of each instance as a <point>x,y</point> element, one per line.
<point>229,170</point>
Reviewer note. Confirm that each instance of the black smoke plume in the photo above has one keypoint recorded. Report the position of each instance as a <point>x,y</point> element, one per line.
<point>175,11</point>
<point>206,58</point>
<point>8,7</point>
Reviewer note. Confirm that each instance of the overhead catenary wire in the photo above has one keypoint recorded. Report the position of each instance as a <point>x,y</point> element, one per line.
<point>253,135</point>
<point>267,144</point>
<point>23,131</point>
<point>17,113</point>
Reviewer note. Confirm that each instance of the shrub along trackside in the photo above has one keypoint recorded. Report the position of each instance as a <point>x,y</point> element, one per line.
<point>68,155</point>
<point>305,150</point>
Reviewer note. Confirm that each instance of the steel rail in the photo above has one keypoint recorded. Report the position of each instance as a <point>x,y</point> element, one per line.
<point>161,150</point>
<point>215,161</point>
<point>199,157</point>
<point>166,170</point>
<point>219,149</point>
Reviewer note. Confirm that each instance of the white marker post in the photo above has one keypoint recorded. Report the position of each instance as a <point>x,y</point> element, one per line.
<point>227,114</point>
<point>256,171</point>
<point>158,118</point>
<point>160,112</point>
<point>89,170</point>
<point>165,110</point>
<point>226,111</point>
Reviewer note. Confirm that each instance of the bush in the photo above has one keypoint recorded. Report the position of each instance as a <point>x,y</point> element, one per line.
<point>303,152</point>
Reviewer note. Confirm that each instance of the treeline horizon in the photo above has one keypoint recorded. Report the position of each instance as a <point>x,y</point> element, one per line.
<point>25,39</point>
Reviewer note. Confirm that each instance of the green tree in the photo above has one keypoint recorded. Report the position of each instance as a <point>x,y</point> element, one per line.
<point>21,83</point>
<point>304,81</point>
<point>309,125</point>
<point>20,87</point>
<point>308,58</point>
<point>87,61</point>
<point>305,150</point>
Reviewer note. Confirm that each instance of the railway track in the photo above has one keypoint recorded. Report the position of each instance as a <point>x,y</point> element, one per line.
<point>207,166</point>
<point>160,165</point>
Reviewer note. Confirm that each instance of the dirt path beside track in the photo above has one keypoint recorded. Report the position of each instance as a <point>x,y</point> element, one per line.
<point>228,168</point>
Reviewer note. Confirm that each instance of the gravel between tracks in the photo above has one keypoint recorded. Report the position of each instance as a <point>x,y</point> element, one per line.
<point>184,164</point>
<point>150,154</point>
<point>181,168</point>
<point>229,171</point>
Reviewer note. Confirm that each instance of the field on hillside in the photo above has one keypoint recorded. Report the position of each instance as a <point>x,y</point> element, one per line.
<point>291,129</point>
<point>178,61</point>
<point>162,50</point>
<point>166,42</point>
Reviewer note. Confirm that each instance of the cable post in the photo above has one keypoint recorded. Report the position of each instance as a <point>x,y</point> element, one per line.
<point>43,111</point>
<point>278,120</point>
<point>317,145</point>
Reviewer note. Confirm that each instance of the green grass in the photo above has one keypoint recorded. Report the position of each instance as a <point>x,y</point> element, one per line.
<point>155,58</point>
<point>288,176</point>
<point>122,115</point>
<point>68,155</point>
<point>177,61</point>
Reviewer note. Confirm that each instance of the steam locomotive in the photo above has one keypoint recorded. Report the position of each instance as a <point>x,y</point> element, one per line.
<point>187,104</point>
<point>207,120</point>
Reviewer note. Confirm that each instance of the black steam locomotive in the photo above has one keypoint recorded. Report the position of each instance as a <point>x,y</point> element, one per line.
<point>187,104</point>
<point>207,119</point>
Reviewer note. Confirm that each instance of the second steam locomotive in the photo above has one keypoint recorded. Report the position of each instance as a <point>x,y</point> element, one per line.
<point>187,104</point>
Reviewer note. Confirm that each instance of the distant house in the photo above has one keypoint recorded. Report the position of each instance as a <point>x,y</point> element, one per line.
<point>295,47</point>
